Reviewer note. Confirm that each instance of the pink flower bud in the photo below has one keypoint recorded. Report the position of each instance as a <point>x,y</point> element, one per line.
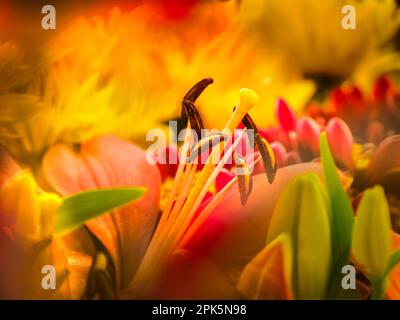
<point>280,153</point>
<point>286,116</point>
<point>308,134</point>
<point>341,140</point>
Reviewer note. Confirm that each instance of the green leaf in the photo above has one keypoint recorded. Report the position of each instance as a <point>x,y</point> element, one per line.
<point>342,212</point>
<point>342,218</point>
<point>81,207</point>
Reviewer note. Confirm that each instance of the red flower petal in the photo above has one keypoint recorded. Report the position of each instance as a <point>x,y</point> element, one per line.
<point>381,88</point>
<point>286,116</point>
<point>223,178</point>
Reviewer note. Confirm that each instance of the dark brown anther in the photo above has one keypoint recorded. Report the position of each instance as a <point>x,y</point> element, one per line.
<point>268,157</point>
<point>193,116</point>
<point>197,89</point>
<point>249,124</point>
<point>189,111</point>
<point>245,181</point>
<point>266,152</point>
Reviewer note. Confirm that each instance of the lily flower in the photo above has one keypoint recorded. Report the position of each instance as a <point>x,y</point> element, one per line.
<point>111,162</point>
<point>139,256</point>
<point>204,238</point>
<point>233,237</point>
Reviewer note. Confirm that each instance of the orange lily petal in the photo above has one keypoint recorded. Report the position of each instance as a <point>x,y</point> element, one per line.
<point>108,161</point>
<point>393,290</point>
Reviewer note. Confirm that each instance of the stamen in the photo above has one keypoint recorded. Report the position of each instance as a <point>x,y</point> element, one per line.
<point>245,181</point>
<point>183,220</point>
<point>266,152</point>
<point>205,213</point>
<point>268,157</point>
<point>210,141</point>
<point>189,111</point>
<point>203,216</point>
<point>204,189</point>
<point>183,203</point>
<point>177,180</point>
<point>249,124</point>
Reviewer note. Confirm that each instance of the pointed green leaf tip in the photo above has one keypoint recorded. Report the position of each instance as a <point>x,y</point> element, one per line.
<point>342,218</point>
<point>81,207</point>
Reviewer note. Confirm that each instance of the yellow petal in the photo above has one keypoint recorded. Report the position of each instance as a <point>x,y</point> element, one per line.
<point>269,274</point>
<point>372,232</point>
<point>49,204</point>
<point>19,205</point>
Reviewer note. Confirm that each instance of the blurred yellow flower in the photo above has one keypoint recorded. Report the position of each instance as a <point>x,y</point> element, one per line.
<point>126,74</point>
<point>310,36</point>
<point>108,76</point>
